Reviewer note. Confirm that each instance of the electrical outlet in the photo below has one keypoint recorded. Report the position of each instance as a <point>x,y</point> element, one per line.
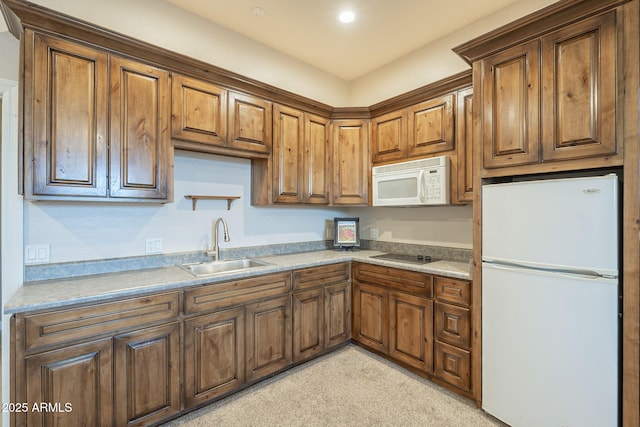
<point>154,246</point>
<point>36,254</point>
<point>374,233</point>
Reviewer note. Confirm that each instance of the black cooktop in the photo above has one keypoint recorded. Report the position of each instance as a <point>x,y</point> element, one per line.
<point>414,259</point>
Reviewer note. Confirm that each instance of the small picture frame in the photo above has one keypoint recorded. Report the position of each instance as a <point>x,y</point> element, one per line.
<point>346,233</point>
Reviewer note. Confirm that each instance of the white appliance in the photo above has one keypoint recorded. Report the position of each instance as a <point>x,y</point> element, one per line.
<point>550,302</point>
<point>416,182</point>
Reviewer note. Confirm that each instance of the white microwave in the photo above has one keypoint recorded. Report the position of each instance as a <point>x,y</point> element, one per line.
<point>412,183</point>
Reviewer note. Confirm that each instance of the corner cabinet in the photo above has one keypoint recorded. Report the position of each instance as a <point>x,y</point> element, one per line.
<point>418,320</point>
<point>299,169</point>
<point>95,125</point>
<point>550,104</point>
<point>351,165</point>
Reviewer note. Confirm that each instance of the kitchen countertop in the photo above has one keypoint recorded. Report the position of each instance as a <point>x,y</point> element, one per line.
<point>58,293</point>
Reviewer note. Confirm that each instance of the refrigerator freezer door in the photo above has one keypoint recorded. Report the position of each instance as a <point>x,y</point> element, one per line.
<point>550,348</point>
<point>569,223</point>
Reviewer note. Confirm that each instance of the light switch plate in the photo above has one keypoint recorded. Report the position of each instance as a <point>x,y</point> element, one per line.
<point>154,246</point>
<point>374,233</point>
<point>36,254</point>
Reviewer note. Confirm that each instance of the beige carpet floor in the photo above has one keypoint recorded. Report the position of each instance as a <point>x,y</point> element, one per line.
<point>349,387</point>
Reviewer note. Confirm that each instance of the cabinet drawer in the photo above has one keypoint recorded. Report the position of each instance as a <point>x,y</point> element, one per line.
<point>395,278</point>
<point>452,365</point>
<point>453,325</point>
<point>453,291</point>
<point>321,275</point>
<point>60,326</point>
<point>225,294</point>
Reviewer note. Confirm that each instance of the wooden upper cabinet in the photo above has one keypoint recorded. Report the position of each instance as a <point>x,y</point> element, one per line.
<point>140,151</point>
<point>288,154</point>
<point>250,123</point>
<point>579,90</point>
<point>72,93</point>
<point>317,160</point>
<point>198,111</point>
<point>389,136</point>
<point>65,118</point>
<point>431,128</point>
<point>464,148</point>
<point>550,104</point>
<point>511,95</point>
<point>350,162</point>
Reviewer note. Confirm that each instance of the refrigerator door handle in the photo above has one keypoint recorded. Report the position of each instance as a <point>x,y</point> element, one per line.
<point>585,274</point>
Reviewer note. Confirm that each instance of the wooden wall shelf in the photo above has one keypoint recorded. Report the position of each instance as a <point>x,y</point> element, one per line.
<point>194,199</point>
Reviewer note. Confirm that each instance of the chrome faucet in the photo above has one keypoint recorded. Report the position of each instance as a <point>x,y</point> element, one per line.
<point>214,251</point>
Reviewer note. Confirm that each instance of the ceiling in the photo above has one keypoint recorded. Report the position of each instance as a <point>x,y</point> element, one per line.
<point>308,30</point>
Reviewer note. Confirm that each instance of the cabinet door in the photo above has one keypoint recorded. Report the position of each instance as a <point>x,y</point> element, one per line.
<point>431,127</point>
<point>268,335</point>
<point>140,150</point>
<point>453,325</point>
<point>199,111</point>
<point>147,375</point>
<point>452,365</point>
<point>511,106</point>
<point>213,355</point>
<point>464,148</point>
<point>350,162</point>
<point>579,91</point>
<point>317,160</point>
<point>288,152</point>
<point>411,330</point>
<point>66,109</point>
<point>250,121</point>
<point>308,324</point>
<point>337,314</point>
<point>371,316</point>
<point>53,378</point>
<point>389,136</point>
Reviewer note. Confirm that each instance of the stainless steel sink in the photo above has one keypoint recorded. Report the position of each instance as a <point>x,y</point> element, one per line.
<point>218,267</point>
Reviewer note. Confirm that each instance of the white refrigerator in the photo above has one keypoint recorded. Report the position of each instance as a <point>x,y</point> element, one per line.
<point>550,302</point>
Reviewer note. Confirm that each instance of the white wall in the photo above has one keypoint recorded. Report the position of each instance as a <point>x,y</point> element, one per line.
<point>82,231</point>
<point>11,205</point>
<point>9,56</point>
<point>434,61</point>
<point>449,226</point>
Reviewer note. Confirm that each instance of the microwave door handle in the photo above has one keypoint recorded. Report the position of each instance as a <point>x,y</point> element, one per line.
<point>421,185</point>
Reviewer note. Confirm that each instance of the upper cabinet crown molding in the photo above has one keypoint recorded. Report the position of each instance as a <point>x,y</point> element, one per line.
<point>43,19</point>
<point>547,19</point>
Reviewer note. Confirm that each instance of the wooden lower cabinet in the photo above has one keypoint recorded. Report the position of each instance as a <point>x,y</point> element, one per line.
<point>370,316</point>
<point>452,332</point>
<point>321,320</point>
<point>147,375</point>
<point>78,379</point>
<point>416,319</point>
<point>268,337</point>
<point>213,355</point>
<point>411,330</point>
<point>308,324</point>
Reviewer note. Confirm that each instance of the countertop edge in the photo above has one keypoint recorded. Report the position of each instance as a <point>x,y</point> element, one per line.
<point>44,295</point>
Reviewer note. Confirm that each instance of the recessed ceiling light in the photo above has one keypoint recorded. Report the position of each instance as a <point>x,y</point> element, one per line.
<point>346,16</point>
<point>258,11</point>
